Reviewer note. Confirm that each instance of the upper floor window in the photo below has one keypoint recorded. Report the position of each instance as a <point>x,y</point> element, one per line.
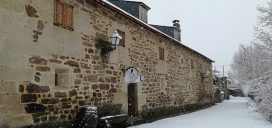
<point>123,40</point>
<point>161,53</point>
<point>181,61</point>
<point>63,15</point>
<point>192,64</point>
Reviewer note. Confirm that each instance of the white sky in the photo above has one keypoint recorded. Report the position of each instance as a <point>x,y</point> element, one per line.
<point>215,28</point>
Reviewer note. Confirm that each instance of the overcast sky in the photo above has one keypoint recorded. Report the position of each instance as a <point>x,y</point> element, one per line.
<point>215,28</point>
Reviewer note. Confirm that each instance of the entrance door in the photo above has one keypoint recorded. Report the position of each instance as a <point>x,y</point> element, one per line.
<point>132,100</point>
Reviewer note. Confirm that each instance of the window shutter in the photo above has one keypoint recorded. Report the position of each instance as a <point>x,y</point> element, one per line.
<point>161,53</point>
<point>58,13</point>
<point>123,35</point>
<point>192,64</point>
<point>68,17</point>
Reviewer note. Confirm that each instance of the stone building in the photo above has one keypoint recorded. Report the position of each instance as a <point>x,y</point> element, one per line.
<point>50,65</point>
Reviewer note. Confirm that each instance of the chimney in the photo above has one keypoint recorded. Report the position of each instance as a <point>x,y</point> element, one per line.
<point>176,23</point>
<point>177,30</point>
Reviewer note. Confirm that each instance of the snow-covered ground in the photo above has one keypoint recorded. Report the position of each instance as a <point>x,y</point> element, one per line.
<point>233,113</point>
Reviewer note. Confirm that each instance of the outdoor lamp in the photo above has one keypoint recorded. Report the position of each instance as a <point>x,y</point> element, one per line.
<point>115,38</point>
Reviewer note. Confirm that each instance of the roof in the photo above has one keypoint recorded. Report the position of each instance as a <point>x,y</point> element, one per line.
<point>147,26</point>
<point>141,3</point>
<point>131,2</point>
<point>132,7</point>
<point>169,30</point>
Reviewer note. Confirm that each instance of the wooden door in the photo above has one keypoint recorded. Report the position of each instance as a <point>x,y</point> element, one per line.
<point>132,100</point>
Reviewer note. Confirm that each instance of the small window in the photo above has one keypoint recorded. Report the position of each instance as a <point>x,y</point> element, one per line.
<point>123,35</point>
<point>63,16</point>
<point>61,77</point>
<point>161,53</point>
<point>192,64</point>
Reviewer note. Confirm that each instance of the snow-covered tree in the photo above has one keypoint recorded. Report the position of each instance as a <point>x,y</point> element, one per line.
<point>264,27</point>
<point>252,64</point>
<point>249,62</point>
<point>261,93</point>
<point>233,81</point>
<point>220,83</point>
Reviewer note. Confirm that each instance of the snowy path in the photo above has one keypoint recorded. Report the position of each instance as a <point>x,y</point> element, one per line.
<point>233,113</point>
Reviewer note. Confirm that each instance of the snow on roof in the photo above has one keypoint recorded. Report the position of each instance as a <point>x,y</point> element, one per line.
<point>142,3</point>
<point>149,26</point>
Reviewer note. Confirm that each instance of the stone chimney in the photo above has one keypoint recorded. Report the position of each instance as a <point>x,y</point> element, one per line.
<point>176,23</point>
<point>177,30</point>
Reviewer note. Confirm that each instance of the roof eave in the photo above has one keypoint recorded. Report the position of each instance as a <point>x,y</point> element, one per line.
<point>150,28</point>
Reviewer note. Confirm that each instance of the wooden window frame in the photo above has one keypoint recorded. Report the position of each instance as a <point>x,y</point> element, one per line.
<point>123,35</point>
<point>161,53</point>
<point>62,18</point>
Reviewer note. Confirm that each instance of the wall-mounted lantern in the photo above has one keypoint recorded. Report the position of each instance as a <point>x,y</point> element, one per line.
<point>106,46</point>
<point>115,38</point>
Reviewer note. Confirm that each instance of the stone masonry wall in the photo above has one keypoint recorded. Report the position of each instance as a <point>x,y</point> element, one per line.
<point>33,50</point>
<point>178,84</point>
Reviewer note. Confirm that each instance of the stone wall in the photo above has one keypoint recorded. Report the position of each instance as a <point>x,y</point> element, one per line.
<point>33,50</point>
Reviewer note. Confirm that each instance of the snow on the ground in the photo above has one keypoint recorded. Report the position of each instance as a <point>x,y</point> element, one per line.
<point>233,113</point>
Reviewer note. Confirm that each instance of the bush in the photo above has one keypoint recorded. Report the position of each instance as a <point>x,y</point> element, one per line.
<point>163,112</point>
<point>261,94</point>
<point>109,109</point>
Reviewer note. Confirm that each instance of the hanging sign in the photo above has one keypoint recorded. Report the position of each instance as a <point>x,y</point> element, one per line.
<point>131,75</point>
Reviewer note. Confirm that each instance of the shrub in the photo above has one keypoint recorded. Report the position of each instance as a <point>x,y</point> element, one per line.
<point>162,112</point>
<point>261,94</point>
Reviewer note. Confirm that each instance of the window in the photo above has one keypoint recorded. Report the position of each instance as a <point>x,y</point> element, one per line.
<point>192,64</point>
<point>63,16</point>
<point>61,77</point>
<point>161,53</point>
<point>123,35</point>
